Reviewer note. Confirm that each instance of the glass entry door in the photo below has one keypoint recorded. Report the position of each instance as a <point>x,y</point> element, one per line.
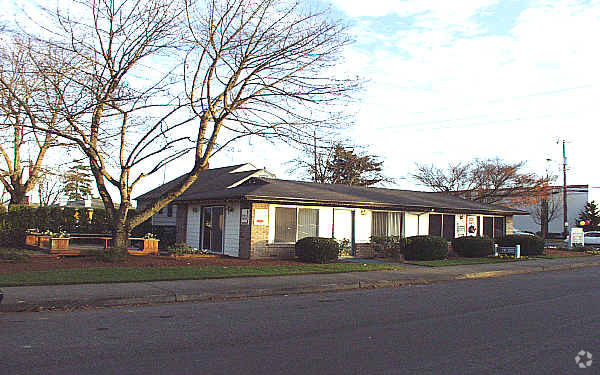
<point>343,227</point>
<point>212,229</point>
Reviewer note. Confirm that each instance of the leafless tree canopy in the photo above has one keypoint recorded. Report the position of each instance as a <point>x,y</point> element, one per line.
<point>489,181</point>
<point>152,80</point>
<point>28,102</point>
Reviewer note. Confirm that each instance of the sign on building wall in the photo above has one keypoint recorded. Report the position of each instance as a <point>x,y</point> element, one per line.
<point>471,225</point>
<point>245,216</point>
<point>261,216</point>
<point>577,238</point>
<point>461,225</point>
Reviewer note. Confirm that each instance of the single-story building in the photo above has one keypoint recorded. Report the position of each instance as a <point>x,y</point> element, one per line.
<point>246,212</point>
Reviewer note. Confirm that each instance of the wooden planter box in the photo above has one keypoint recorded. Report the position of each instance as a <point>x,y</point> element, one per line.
<point>32,239</point>
<point>150,244</point>
<point>54,243</point>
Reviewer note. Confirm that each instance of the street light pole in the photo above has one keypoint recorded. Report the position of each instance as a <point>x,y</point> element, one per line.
<point>565,218</point>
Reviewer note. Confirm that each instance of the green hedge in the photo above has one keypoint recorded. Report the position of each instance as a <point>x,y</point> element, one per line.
<point>15,222</point>
<point>473,247</point>
<point>426,248</point>
<point>317,249</point>
<point>530,245</point>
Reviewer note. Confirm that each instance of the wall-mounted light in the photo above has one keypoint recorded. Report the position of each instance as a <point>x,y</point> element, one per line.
<point>363,212</point>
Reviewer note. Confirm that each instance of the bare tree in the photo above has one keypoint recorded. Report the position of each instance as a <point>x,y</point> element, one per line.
<point>547,206</point>
<point>50,186</point>
<point>152,73</point>
<point>28,102</point>
<point>489,181</point>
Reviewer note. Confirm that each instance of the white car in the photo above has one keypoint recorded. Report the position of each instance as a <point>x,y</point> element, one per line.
<point>520,232</point>
<point>591,238</point>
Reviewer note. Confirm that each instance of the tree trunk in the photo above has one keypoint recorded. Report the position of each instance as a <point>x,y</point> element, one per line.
<point>544,218</point>
<point>120,240</point>
<point>17,197</point>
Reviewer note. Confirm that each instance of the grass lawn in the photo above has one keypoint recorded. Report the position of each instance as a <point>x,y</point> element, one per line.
<point>459,262</point>
<point>137,274</point>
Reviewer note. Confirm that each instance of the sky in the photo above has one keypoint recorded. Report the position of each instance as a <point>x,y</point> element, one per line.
<point>449,81</point>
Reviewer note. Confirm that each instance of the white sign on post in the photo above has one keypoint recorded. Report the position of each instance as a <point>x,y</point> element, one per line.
<point>577,237</point>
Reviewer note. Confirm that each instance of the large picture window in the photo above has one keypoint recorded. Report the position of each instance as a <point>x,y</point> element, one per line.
<point>494,227</point>
<point>292,224</point>
<point>386,223</point>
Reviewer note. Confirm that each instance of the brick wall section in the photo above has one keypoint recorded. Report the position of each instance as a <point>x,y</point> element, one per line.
<point>181,223</point>
<point>365,250</point>
<point>510,226</point>
<point>259,234</point>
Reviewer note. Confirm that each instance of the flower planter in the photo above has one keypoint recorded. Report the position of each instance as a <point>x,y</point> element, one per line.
<point>32,239</point>
<point>150,244</point>
<point>54,243</point>
<point>44,242</point>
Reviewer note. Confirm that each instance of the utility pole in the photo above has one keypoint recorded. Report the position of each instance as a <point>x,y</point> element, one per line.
<point>315,154</point>
<point>565,218</point>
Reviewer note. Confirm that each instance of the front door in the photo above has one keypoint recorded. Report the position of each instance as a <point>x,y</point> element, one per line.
<point>212,229</point>
<point>343,228</point>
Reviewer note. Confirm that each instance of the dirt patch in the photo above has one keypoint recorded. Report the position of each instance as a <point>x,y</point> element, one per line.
<point>44,263</point>
<point>564,253</point>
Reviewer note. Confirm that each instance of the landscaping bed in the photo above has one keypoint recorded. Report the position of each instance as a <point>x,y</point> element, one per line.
<point>53,263</point>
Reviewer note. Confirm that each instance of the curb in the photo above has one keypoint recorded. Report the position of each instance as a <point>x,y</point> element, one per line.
<point>257,293</point>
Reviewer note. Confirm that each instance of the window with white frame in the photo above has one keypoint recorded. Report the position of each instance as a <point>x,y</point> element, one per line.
<point>386,223</point>
<point>293,224</point>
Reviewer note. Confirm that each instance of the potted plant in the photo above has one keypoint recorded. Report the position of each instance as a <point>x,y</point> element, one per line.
<point>150,242</point>
<point>32,238</point>
<point>54,240</point>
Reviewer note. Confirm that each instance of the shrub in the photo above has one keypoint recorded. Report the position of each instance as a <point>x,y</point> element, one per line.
<point>181,248</point>
<point>530,245</point>
<point>473,247</point>
<point>426,248</point>
<point>389,246</point>
<point>317,249</point>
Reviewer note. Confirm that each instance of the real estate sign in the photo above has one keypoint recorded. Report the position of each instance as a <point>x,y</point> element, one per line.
<point>577,237</point>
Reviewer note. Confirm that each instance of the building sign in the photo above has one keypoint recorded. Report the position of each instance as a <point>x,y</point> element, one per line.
<point>471,225</point>
<point>245,216</point>
<point>577,237</point>
<point>461,225</point>
<point>261,216</point>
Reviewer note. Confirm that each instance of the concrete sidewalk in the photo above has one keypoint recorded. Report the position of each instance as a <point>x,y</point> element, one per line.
<point>34,298</point>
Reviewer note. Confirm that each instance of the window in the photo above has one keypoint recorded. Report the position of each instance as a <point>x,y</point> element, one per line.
<point>292,224</point>
<point>435,225</point>
<point>386,223</point>
<point>308,223</point>
<point>493,227</point>
<point>442,226</point>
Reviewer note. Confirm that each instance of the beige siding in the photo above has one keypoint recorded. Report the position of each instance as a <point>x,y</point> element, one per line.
<point>231,243</point>
<point>193,226</point>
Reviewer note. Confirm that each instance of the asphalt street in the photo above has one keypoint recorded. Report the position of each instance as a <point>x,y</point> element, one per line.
<point>524,324</point>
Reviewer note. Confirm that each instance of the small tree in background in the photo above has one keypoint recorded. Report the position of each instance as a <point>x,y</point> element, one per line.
<point>340,164</point>
<point>546,206</point>
<point>590,213</point>
<point>78,182</point>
